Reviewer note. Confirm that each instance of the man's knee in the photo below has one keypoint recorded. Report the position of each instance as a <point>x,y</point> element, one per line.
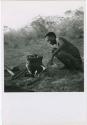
<point>63,56</point>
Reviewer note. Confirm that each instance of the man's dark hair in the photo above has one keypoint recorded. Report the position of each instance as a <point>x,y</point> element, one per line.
<point>50,34</point>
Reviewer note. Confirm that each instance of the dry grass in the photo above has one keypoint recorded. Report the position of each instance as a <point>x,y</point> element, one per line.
<point>54,80</point>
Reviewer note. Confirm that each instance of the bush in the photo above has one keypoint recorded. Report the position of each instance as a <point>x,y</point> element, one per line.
<point>70,26</point>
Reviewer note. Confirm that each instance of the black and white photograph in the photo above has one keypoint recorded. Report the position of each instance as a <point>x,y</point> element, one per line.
<point>43,46</point>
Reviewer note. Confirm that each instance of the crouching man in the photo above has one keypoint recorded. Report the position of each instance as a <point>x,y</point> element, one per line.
<point>65,51</point>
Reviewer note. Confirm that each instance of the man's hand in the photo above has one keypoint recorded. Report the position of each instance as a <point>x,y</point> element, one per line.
<point>49,63</point>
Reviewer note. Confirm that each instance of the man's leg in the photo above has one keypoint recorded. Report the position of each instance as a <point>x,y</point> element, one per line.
<point>69,61</point>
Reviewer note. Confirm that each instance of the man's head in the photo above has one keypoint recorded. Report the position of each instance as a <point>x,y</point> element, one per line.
<point>51,38</point>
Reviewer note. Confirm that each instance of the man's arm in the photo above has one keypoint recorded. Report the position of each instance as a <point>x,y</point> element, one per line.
<point>53,55</point>
<point>55,52</point>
